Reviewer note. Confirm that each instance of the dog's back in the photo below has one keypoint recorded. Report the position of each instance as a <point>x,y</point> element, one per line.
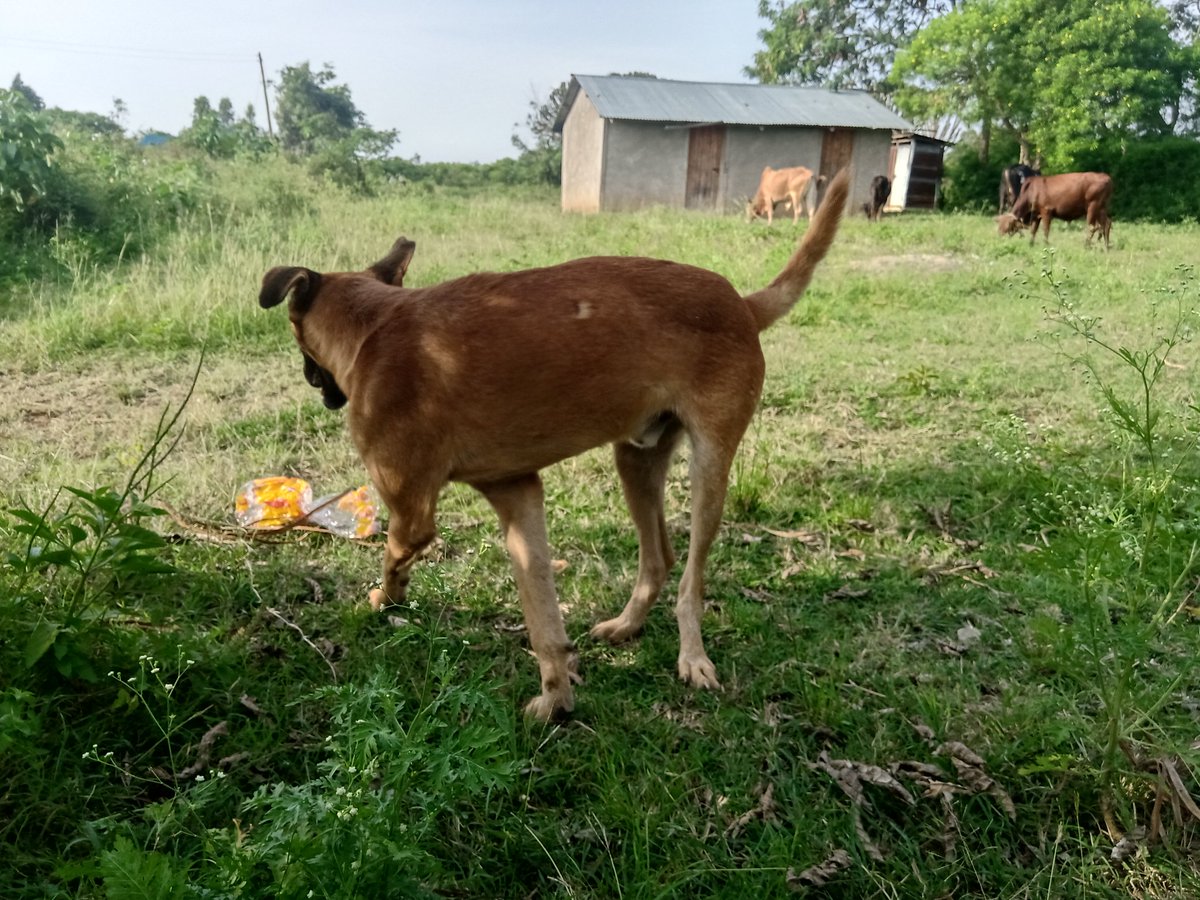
<point>527,368</point>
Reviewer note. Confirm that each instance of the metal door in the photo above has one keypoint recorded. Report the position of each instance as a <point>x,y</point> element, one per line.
<point>837,149</point>
<point>706,148</point>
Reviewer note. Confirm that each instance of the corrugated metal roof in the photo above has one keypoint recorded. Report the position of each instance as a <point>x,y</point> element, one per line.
<point>695,102</point>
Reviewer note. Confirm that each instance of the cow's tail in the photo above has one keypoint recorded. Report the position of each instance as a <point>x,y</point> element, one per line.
<point>775,300</point>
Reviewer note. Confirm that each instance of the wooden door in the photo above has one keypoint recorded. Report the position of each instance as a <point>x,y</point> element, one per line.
<point>706,149</point>
<point>837,149</point>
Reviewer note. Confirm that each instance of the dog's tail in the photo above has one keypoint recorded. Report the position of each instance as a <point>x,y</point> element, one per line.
<point>773,302</point>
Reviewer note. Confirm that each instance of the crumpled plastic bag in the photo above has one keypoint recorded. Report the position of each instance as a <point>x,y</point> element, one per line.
<point>278,501</point>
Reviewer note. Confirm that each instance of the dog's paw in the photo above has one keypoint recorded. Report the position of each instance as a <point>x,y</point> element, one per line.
<point>379,599</point>
<point>699,672</point>
<point>616,631</point>
<point>550,708</point>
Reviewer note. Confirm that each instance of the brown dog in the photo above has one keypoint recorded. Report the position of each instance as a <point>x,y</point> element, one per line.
<point>489,378</point>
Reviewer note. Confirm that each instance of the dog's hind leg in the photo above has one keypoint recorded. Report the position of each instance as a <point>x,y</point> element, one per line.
<point>519,504</point>
<point>710,467</point>
<point>643,472</point>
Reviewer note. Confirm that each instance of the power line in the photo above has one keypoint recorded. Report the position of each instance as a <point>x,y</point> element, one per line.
<point>163,53</point>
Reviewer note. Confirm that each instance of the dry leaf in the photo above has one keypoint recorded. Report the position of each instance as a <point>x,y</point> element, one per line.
<point>968,635</point>
<point>869,845</point>
<point>846,592</point>
<point>970,767</point>
<point>805,537</point>
<point>764,811</point>
<point>249,703</point>
<point>851,775</point>
<point>820,874</point>
<point>1128,845</point>
<point>794,569</point>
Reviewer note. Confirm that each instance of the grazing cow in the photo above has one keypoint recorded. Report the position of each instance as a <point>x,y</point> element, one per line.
<point>880,188</point>
<point>778,185</point>
<point>1011,180</point>
<point>1067,197</point>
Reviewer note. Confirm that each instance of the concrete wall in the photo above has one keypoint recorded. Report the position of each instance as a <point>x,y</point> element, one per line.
<point>583,157</point>
<point>872,147</point>
<point>645,165</point>
<point>749,149</point>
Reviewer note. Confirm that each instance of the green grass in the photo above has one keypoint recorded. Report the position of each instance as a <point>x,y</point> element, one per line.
<point>937,531</point>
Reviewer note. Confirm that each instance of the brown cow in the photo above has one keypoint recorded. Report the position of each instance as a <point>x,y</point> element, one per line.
<point>778,185</point>
<point>1067,197</point>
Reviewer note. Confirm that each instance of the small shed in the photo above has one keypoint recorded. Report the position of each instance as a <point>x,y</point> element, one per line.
<point>916,167</point>
<point>630,142</point>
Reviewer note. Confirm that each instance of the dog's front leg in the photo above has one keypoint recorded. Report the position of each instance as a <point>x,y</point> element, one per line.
<point>410,530</point>
<point>519,504</point>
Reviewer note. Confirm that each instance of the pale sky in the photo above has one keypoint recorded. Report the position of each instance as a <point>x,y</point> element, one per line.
<point>453,76</point>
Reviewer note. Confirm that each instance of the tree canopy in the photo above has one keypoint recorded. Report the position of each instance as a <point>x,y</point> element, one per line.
<point>838,43</point>
<point>1062,76</point>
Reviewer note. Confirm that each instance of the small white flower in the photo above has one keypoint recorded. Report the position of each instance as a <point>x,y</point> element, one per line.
<point>200,778</point>
<point>191,662</point>
<point>169,687</point>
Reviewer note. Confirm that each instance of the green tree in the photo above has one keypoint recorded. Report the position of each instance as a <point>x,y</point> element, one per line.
<point>207,132</point>
<point>29,93</point>
<point>315,114</point>
<point>26,147</point>
<point>317,119</point>
<point>1062,76</point>
<point>972,63</point>
<point>838,43</point>
<point>542,155</point>
<point>219,134</point>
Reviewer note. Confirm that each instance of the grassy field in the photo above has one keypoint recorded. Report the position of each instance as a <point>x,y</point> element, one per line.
<point>953,604</point>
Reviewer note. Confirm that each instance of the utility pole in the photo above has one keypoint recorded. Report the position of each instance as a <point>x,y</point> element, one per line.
<point>266,102</point>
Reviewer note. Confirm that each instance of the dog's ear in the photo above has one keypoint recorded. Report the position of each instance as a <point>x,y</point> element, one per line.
<point>391,269</point>
<point>282,280</point>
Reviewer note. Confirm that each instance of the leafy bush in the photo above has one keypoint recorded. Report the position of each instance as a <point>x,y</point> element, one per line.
<point>1154,179</point>
<point>26,145</point>
<point>971,185</point>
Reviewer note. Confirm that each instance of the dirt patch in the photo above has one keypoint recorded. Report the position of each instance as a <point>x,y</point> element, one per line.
<point>90,426</point>
<point>929,263</point>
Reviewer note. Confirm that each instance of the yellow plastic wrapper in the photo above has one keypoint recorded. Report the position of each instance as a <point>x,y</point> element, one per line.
<point>278,501</point>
